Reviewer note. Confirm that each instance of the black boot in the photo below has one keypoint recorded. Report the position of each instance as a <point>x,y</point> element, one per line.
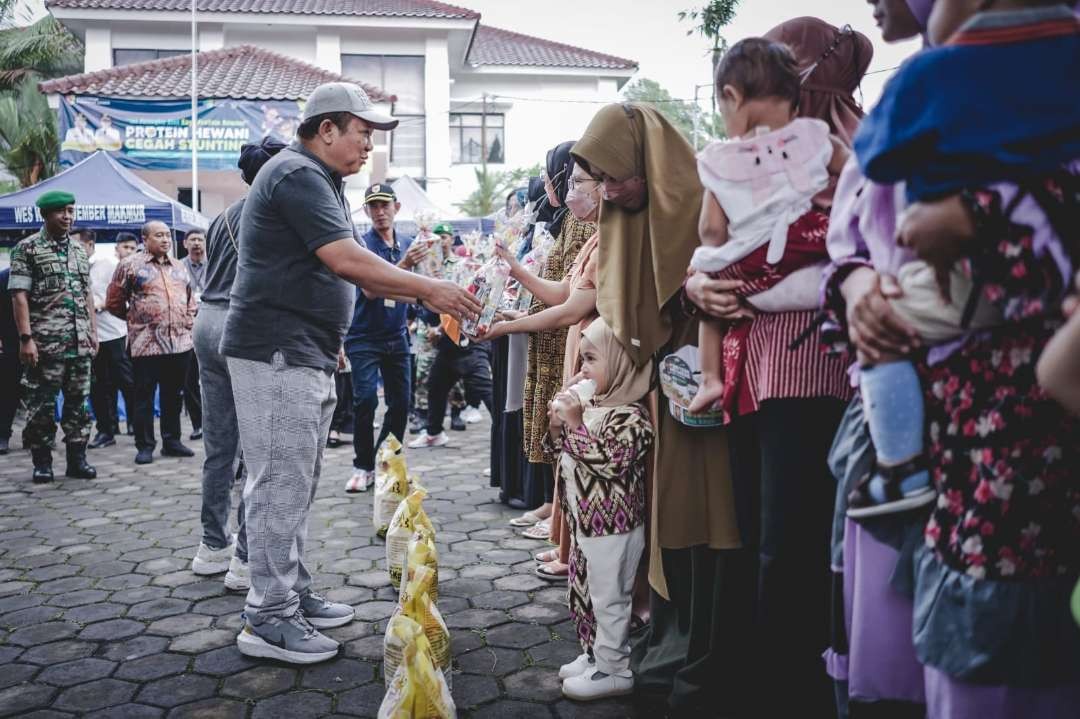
<point>77,468</point>
<point>42,464</point>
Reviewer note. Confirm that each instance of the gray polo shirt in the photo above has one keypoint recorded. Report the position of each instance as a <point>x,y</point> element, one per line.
<point>283,297</point>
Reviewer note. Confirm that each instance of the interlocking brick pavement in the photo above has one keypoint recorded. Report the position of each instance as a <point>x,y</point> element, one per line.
<point>101,616</point>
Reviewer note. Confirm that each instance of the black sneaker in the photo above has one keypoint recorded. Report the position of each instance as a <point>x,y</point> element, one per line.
<point>102,440</point>
<point>144,456</point>
<point>457,423</point>
<point>175,449</point>
<point>197,434</point>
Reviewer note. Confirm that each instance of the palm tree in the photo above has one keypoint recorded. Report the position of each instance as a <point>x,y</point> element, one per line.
<point>29,141</point>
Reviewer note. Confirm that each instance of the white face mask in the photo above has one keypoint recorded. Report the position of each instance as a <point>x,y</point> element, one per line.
<point>580,203</point>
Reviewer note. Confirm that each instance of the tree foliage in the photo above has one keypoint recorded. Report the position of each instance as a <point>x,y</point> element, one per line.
<point>710,20</point>
<point>29,142</point>
<point>682,113</point>
<point>492,187</point>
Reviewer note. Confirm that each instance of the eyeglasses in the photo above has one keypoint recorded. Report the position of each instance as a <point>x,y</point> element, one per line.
<point>574,182</point>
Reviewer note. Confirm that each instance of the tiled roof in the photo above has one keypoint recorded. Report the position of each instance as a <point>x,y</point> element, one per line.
<point>361,8</point>
<point>494,46</point>
<point>243,72</point>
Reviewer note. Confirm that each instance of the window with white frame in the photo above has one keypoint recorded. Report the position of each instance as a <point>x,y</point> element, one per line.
<point>130,56</point>
<point>403,76</point>
<point>469,132</point>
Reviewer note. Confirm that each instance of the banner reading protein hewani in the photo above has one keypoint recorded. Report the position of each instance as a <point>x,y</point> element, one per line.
<point>156,134</point>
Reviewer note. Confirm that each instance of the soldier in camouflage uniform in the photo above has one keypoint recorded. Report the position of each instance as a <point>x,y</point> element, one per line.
<point>54,313</point>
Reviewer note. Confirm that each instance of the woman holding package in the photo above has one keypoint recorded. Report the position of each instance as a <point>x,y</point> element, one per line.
<point>781,437</point>
<point>571,305</point>
<point>693,654</point>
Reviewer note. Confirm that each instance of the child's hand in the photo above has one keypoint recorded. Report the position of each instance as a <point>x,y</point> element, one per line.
<point>937,232</point>
<point>555,422</point>
<point>569,409</point>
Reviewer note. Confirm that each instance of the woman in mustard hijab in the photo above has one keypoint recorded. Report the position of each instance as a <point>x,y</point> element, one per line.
<point>693,652</point>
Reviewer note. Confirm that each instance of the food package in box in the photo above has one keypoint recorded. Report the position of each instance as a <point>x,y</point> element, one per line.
<point>416,689</point>
<point>408,517</point>
<point>391,483</point>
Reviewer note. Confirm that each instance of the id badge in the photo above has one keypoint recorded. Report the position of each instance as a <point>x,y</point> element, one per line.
<point>389,304</point>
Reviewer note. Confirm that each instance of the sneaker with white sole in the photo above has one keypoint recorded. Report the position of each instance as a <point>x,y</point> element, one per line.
<point>472,415</point>
<point>287,639</point>
<point>325,614</point>
<point>211,561</point>
<point>238,578</point>
<point>360,481</point>
<point>577,667</point>
<point>425,440</point>
<point>595,684</point>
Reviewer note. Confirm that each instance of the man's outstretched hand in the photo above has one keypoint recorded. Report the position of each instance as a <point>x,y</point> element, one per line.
<point>445,297</point>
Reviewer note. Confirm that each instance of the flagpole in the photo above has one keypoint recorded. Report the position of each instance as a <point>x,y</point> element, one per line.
<point>194,110</point>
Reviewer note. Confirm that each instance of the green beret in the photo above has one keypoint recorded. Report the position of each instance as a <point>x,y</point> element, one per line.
<point>443,228</point>
<point>55,198</point>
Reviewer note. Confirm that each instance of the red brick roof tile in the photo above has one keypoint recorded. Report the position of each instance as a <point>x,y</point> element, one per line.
<point>243,72</point>
<point>494,46</point>
<point>360,8</point>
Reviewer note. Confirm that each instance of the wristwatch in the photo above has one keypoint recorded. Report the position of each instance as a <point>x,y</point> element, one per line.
<point>25,338</point>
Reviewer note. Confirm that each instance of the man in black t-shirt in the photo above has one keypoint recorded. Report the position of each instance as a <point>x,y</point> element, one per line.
<point>290,305</point>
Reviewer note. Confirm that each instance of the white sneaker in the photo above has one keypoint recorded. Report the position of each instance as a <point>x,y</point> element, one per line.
<point>577,667</point>
<point>590,686</point>
<point>359,482</point>
<point>238,578</point>
<point>472,415</point>
<point>425,440</point>
<point>211,561</point>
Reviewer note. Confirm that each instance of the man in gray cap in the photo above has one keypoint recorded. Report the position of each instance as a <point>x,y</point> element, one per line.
<point>298,261</point>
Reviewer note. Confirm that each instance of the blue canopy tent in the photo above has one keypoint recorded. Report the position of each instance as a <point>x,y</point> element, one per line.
<point>108,196</point>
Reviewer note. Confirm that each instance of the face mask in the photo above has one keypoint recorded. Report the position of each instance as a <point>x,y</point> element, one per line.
<point>580,203</point>
<point>628,194</point>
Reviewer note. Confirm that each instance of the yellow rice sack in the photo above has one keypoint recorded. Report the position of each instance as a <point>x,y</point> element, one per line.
<point>416,690</point>
<point>417,606</point>
<point>421,552</point>
<point>391,483</point>
<point>407,518</point>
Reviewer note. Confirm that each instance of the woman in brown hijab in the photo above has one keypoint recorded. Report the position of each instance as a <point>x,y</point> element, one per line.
<point>693,653</point>
<point>783,487</point>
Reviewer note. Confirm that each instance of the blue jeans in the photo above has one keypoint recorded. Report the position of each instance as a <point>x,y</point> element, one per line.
<point>392,360</point>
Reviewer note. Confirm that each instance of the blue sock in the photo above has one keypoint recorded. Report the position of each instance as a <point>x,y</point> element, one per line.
<point>893,402</point>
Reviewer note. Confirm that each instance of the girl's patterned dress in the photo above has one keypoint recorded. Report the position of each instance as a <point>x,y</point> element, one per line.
<point>605,462</point>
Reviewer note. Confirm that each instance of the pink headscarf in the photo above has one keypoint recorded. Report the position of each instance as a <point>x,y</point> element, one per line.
<point>832,61</point>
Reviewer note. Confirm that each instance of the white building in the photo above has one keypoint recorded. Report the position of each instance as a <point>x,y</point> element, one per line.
<point>439,69</point>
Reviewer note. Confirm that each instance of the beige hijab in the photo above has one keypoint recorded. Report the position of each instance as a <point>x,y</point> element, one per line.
<point>643,255</point>
<point>627,383</point>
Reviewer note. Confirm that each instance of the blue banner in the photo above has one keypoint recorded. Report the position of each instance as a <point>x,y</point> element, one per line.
<point>156,134</point>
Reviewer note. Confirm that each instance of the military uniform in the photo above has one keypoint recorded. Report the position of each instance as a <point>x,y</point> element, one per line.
<point>55,273</point>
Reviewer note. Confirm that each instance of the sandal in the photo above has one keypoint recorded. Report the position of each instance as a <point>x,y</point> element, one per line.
<point>637,623</point>
<point>540,530</point>
<point>334,439</point>
<point>550,555</point>
<point>545,572</point>
<point>526,520</point>
<point>861,501</point>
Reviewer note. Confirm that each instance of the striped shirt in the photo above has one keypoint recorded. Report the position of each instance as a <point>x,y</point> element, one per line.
<point>775,372</point>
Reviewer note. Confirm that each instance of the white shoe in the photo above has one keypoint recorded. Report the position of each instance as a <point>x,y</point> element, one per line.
<point>211,561</point>
<point>359,482</point>
<point>238,578</point>
<point>472,415</point>
<point>589,686</point>
<point>577,667</point>
<point>425,440</point>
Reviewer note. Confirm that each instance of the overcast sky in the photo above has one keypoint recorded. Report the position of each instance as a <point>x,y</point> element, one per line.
<point>649,31</point>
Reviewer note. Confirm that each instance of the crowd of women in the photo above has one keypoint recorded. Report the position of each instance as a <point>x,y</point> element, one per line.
<point>756,587</point>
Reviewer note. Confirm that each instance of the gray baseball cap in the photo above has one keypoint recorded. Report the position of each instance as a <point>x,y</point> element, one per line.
<point>346,97</point>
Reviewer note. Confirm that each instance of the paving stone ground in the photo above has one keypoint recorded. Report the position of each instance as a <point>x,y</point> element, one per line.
<point>101,616</point>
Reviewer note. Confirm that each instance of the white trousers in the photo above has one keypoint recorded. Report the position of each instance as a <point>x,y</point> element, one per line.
<point>612,562</point>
